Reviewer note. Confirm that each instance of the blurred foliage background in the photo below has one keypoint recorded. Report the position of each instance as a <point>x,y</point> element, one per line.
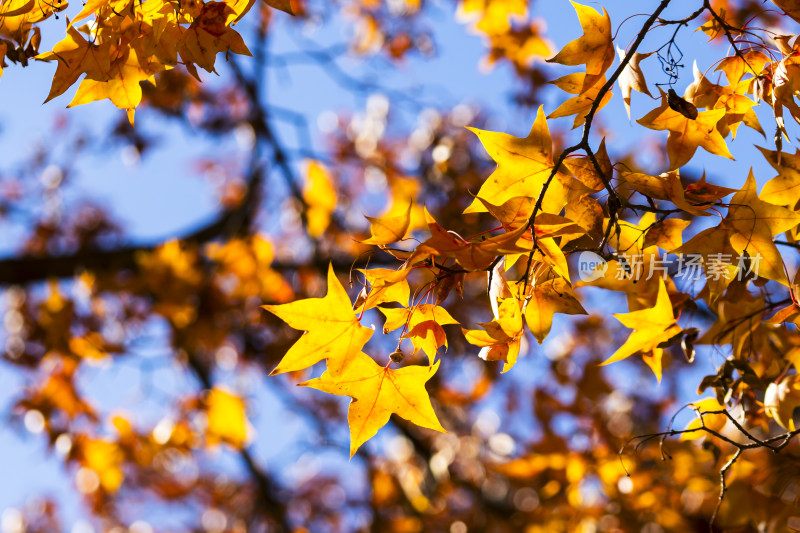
<point>135,354</point>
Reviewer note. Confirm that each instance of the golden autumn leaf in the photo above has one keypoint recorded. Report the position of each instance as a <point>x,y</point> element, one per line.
<point>651,326</point>
<point>104,457</point>
<point>122,86</point>
<point>389,229</point>
<point>520,46</point>
<point>581,104</point>
<point>583,168</point>
<point>781,399</point>
<point>492,17</point>
<point>512,213</point>
<point>377,393</point>
<point>17,17</point>
<point>593,49</point>
<point>91,346</point>
<point>711,246</point>
<point>227,419</point>
<point>102,8</point>
<point>385,285</point>
<point>320,197</point>
<point>59,392</point>
<point>516,212</point>
<point>422,325</point>
<point>551,253</point>
<point>701,193</point>
<point>471,255</point>
<point>523,166</point>
<point>714,422</point>
<point>632,78</point>
<point>685,134</point>
<point>500,339</point>
<point>283,5</point>
<point>76,56</point>
<point>552,296</point>
<point>737,66</point>
<point>333,330</point>
<point>790,313</point>
<point>695,199</point>
<point>783,189</point>
<point>783,91</point>
<point>667,234</point>
<point>209,34</point>
<point>754,223</point>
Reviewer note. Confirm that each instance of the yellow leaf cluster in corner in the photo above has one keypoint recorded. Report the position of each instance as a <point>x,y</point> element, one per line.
<point>130,42</point>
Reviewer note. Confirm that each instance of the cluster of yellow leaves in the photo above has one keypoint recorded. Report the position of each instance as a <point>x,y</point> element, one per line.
<point>507,26</point>
<point>126,43</point>
<point>334,334</point>
<point>545,211</point>
<point>104,461</point>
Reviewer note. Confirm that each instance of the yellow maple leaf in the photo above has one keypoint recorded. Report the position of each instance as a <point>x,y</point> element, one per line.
<point>666,234</point>
<point>548,298</point>
<point>389,229</point>
<point>736,66</point>
<point>753,223</point>
<point>333,330</point>
<point>516,212</point>
<point>523,166</point>
<point>781,399</point>
<point>651,326</point>
<point>695,199</point>
<point>377,393</point>
<point>493,17</point>
<point>594,48</point>
<point>685,134</point>
<point>122,87</point>
<point>102,8</point>
<point>76,56</point>
<point>211,33</point>
<point>581,104</point>
<point>520,46</point>
<point>711,245</point>
<point>783,189</point>
<point>632,78</point>
<point>583,168</point>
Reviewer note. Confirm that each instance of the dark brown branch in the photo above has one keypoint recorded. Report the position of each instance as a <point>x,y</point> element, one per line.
<point>267,489</point>
<point>614,202</point>
<point>723,487</point>
<point>783,439</point>
<point>728,29</point>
